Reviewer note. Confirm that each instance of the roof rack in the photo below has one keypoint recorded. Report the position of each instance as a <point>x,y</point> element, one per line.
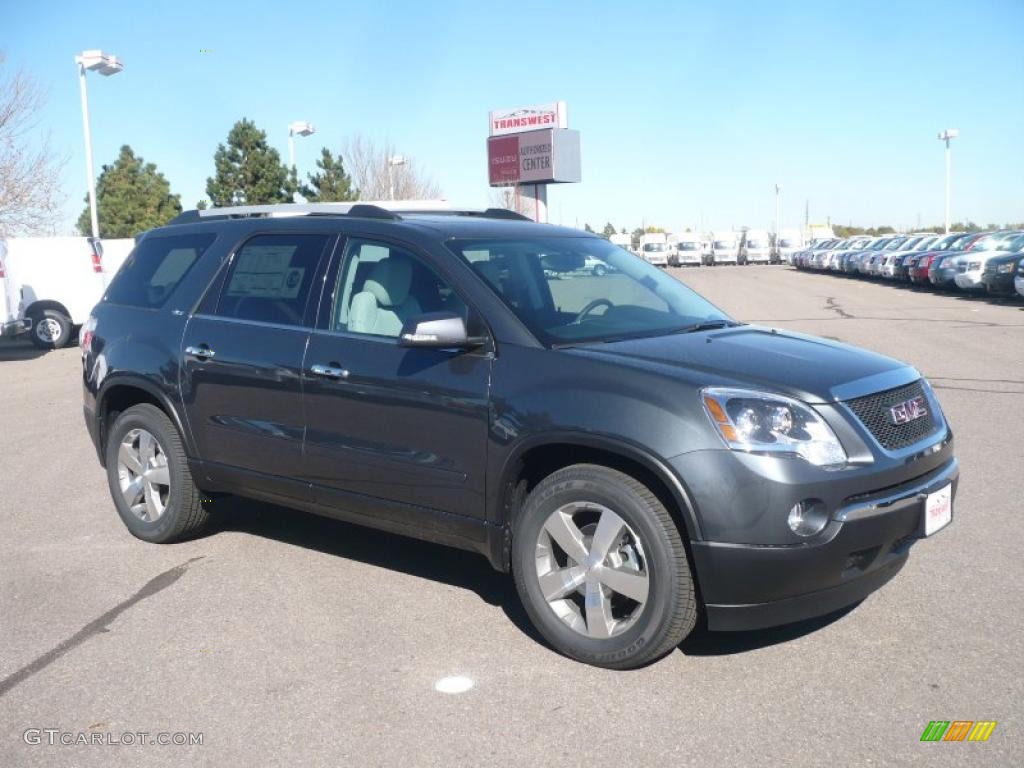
<point>387,209</point>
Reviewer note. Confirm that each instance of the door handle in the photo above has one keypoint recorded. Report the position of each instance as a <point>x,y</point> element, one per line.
<point>328,371</point>
<point>203,352</point>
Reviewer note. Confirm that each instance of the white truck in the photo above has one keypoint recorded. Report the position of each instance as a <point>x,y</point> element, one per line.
<point>50,284</point>
<point>623,241</point>
<point>724,248</point>
<point>654,248</point>
<point>688,250</point>
<point>787,243</point>
<point>756,248</point>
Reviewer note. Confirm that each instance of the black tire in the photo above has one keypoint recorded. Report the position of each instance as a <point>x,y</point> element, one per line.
<point>669,612</point>
<point>183,516</point>
<point>600,270</point>
<point>51,329</point>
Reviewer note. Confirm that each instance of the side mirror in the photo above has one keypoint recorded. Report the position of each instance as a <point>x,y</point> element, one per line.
<point>437,330</point>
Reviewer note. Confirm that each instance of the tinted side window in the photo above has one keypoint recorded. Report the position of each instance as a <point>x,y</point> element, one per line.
<point>271,279</point>
<point>154,269</point>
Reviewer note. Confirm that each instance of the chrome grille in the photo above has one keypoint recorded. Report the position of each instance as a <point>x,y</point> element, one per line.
<point>873,412</point>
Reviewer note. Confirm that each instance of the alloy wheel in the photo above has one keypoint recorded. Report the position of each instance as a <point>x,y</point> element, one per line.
<point>143,475</point>
<point>592,569</point>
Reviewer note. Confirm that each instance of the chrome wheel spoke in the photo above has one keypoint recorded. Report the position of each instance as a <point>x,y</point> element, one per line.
<point>153,507</point>
<point>146,447</point>
<point>567,535</point>
<point>558,583</point>
<point>132,491</point>
<point>599,610</point>
<point>625,582</point>
<point>128,457</point>
<point>609,531</point>
<point>159,474</point>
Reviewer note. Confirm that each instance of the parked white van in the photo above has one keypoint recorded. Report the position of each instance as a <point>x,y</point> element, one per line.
<point>688,250</point>
<point>789,242</point>
<point>757,249</point>
<point>724,248</point>
<point>50,286</point>
<point>654,248</point>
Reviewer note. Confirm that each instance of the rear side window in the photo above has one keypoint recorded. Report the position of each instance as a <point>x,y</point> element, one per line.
<point>271,279</point>
<point>154,269</point>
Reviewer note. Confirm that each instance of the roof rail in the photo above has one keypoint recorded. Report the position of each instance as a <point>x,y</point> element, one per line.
<point>387,209</point>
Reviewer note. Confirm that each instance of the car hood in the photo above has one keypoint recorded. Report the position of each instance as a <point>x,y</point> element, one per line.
<point>809,368</point>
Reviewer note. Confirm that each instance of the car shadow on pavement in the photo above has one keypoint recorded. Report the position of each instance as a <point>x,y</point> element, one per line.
<point>19,349</point>
<point>703,642</point>
<point>456,567</point>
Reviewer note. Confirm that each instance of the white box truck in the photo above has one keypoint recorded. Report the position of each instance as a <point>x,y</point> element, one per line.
<point>788,242</point>
<point>756,248</point>
<point>724,248</point>
<point>654,248</point>
<point>689,249</point>
<point>50,286</point>
<point>623,241</point>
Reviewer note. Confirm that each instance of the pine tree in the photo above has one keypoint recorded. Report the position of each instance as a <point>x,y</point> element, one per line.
<point>331,184</point>
<point>608,231</point>
<point>248,170</point>
<point>131,197</point>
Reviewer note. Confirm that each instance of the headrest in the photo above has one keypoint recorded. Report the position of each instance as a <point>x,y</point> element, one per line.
<point>389,281</point>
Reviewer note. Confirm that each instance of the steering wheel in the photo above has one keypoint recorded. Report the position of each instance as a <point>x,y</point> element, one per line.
<point>590,308</point>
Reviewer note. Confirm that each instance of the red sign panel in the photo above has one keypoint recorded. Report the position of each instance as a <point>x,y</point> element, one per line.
<point>503,159</point>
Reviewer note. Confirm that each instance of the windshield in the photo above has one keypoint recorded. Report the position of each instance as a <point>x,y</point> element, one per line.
<point>722,245</point>
<point>689,246</point>
<point>786,243</point>
<point>655,247</point>
<point>756,244</point>
<point>551,285</point>
<point>995,242</point>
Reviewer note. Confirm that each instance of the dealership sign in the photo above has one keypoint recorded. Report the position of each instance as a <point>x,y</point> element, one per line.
<point>549,156</point>
<point>506,121</point>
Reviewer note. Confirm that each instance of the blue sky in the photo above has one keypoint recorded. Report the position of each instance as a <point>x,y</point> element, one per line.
<point>689,112</point>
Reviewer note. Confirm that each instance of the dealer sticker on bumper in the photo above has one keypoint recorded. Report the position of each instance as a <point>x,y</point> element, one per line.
<point>938,510</point>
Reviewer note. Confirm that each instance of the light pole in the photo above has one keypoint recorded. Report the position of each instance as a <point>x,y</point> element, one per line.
<point>106,65</point>
<point>392,162</point>
<point>298,128</point>
<point>946,136</point>
<point>778,196</point>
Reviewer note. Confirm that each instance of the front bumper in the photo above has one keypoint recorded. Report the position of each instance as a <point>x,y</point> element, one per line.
<point>1018,283</point>
<point>999,283</point>
<point>969,281</point>
<point>14,327</point>
<point>944,277</point>
<point>864,545</point>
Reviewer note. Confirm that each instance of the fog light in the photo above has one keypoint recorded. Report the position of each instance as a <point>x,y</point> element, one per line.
<point>807,517</point>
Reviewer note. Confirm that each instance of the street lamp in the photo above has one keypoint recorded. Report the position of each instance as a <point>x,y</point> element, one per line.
<point>106,65</point>
<point>946,136</point>
<point>392,162</point>
<point>298,128</point>
<point>778,195</point>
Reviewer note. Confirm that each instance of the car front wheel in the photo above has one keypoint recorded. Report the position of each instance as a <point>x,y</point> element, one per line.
<point>601,568</point>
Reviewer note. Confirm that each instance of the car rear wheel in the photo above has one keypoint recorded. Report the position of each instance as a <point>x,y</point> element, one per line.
<point>601,568</point>
<point>149,477</point>
<point>51,329</point>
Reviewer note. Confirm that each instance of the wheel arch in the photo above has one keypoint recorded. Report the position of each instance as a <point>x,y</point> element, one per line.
<point>122,392</point>
<point>43,304</point>
<point>534,459</point>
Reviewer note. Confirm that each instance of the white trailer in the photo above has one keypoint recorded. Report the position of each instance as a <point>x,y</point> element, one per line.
<point>623,241</point>
<point>788,242</point>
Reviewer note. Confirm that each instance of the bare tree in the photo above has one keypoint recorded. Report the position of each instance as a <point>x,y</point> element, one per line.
<point>29,171</point>
<point>367,163</point>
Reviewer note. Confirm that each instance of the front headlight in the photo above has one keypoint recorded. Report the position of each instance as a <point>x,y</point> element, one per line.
<point>759,422</point>
<point>1005,268</point>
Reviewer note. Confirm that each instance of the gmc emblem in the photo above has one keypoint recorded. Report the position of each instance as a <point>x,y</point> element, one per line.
<point>907,411</point>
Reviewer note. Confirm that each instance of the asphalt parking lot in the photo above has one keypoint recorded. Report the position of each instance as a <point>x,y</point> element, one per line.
<point>288,639</point>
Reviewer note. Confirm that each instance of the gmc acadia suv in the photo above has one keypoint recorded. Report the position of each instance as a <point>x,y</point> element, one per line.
<point>628,452</point>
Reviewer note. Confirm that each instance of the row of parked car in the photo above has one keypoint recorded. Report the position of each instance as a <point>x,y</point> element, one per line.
<point>975,262</point>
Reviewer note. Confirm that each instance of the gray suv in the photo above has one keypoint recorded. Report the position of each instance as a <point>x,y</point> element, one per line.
<point>633,456</point>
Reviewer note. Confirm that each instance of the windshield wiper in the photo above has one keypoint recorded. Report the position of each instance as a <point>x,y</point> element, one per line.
<point>707,325</point>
